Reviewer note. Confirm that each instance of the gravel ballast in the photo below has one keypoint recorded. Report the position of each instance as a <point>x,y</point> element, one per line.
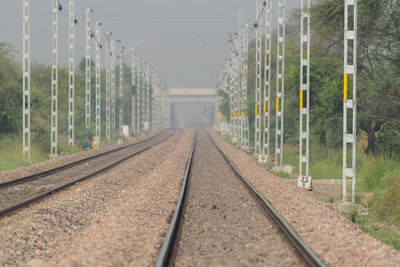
<point>117,218</point>
<point>223,224</point>
<point>23,191</point>
<point>61,160</point>
<point>337,240</point>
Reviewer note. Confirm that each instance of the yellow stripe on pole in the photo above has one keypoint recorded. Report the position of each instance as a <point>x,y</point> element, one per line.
<point>242,114</point>
<point>256,110</point>
<point>239,113</point>
<point>301,98</point>
<point>265,106</point>
<point>345,87</point>
<point>277,104</point>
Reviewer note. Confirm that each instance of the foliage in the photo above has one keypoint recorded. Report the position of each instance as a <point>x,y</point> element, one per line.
<point>11,103</point>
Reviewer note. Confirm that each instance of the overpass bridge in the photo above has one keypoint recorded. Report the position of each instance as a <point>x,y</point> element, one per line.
<point>189,106</point>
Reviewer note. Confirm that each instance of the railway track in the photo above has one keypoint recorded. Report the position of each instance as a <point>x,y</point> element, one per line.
<point>21,192</point>
<point>224,224</point>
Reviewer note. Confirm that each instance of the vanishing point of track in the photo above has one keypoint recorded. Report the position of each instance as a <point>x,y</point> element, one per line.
<point>196,231</point>
<point>21,192</point>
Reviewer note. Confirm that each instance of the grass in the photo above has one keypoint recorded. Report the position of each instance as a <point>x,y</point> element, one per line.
<point>11,151</point>
<point>387,233</point>
<point>11,154</point>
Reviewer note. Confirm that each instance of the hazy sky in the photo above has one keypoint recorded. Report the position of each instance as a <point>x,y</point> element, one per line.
<point>186,40</point>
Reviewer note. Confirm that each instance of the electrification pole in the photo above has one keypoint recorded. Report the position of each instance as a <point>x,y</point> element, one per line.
<point>245,117</point>
<point>280,84</point>
<point>98,91</point>
<point>26,82</point>
<point>140,96</point>
<point>108,85</point>
<point>231,96</point>
<point>112,44</point>
<point>88,67</point>
<point>134,93</point>
<point>71,90</point>
<point>147,97</point>
<point>121,88</point>
<point>54,78</point>
<point>267,81</point>
<point>349,101</point>
<point>257,111</point>
<point>304,180</point>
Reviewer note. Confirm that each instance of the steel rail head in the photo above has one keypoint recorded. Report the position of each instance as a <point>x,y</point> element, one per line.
<point>68,165</point>
<point>305,251</point>
<point>165,254</point>
<point>25,203</point>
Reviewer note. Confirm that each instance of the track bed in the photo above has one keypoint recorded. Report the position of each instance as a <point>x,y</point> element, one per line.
<point>223,223</point>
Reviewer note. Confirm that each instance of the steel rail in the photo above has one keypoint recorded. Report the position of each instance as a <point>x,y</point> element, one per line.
<point>25,203</point>
<point>71,164</point>
<point>304,250</point>
<point>165,254</point>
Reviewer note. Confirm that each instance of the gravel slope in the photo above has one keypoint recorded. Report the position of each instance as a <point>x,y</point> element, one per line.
<point>102,217</point>
<point>223,224</point>
<point>338,241</point>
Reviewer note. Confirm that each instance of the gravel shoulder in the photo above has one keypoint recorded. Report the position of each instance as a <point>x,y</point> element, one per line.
<point>61,160</point>
<point>116,218</point>
<point>338,241</point>
<point>223,224</point>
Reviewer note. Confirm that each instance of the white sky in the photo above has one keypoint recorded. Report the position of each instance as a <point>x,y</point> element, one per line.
<point>186,39</point>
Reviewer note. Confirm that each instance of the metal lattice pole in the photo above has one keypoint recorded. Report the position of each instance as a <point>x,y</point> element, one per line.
<point>257,111</point>
<point>154,102</point>
<point>98,92</point>
<point>88,67</point>
<point>349,102</point>
<point>231,96</point>
<point>121,88</point>
<point>244,114</point>
<point>147,96</point>
<point>26,82</point>
<point>235,93</point>
<point>108,86</point>
<point>267,77</point>
<point>54,78</point>
<point>113,122</point>
<point>141,94</point>
<point>280,84</point>
<point>304,89</point>
<point>71,90</point>
<point>133,74</point>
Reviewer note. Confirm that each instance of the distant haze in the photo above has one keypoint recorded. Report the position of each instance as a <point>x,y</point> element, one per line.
<point>186,39</point>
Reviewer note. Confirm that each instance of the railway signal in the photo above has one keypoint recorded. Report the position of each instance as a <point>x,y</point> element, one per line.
<point>349,100</point>
<point>304,180</point>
